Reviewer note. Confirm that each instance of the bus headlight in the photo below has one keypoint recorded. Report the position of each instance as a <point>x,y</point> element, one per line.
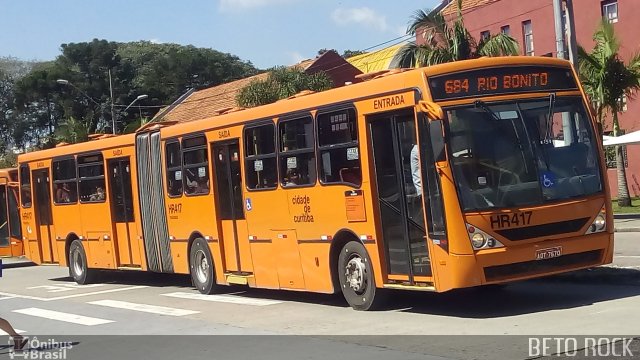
<point>481,240</point>
<point>599,224</point>
<point>478,240</point>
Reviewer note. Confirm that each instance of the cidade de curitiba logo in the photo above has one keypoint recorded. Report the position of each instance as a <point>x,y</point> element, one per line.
<point>37,349</point>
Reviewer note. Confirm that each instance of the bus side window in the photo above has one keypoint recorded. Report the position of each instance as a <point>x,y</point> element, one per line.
<point>64,182</point>
<point>91,183</point>
<point>338,145</point>
<point>25,186</point>
<point>260,162</point>
<point>297,155</point>
<point>174,168</point>
<point>195,165</point>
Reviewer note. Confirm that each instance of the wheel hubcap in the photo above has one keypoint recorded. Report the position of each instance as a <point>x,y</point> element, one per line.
<point>356,274</point>
<point>202,267</point>
<point>77,263</point>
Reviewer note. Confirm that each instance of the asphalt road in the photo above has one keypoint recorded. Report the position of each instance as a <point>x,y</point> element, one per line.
<point>97,319</point>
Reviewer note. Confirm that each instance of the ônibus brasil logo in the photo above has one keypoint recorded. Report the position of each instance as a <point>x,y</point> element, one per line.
<point>40,350</point>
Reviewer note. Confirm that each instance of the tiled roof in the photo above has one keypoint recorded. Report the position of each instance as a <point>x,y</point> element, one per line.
<point>211,101</point>
<point>208,102</point>
<point>375,60</point>
<point>451,9</point>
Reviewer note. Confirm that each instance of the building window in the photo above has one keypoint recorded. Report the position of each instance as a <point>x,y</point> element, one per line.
<point>261,168</point>
<point>610,153</point>
<point>506,30</point>
<point>485,35</point>
<point>623,103</point>
<point>338,145</point>
<point>527,31</point>
<point>297,155</point>
<point>610,10</point>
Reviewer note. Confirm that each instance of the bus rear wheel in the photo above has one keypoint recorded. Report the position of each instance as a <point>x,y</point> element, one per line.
<point>201,267</point>
<point>78,268</point>
<point>356,277</point>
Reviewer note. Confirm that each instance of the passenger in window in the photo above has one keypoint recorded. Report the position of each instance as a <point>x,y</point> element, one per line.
<point>99,194</point>
<point>63,194</point>
<point>292,178</point>
<point>26,195</point>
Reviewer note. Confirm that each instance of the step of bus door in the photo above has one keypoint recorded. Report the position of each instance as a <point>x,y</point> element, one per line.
<point>238,279</point>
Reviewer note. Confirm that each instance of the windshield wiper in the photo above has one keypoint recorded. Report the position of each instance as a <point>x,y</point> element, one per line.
<point>549,131</point>
<point>481,104</point>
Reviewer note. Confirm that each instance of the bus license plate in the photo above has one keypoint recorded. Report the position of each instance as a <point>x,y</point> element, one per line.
<point>548,253</point>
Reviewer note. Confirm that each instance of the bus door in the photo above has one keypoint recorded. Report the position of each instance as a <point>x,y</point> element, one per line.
<point>5,240</point>
<point>15,229</point>
<point>44,220</point>
<point>122,211</point>
<point>229,206</point>
<point>393,137</point>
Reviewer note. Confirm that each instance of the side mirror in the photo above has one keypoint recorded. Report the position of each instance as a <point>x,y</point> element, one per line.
<point>433,110</point>
<point>437,141</point>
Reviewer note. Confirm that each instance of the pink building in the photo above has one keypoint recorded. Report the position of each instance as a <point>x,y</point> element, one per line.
<point>531,23</point>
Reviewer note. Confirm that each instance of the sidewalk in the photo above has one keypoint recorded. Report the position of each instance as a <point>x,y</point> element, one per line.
<point>627,223</point>
<point>15,262</point>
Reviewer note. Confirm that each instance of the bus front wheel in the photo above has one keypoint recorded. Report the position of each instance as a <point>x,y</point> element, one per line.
<point>201,265</point>
<point>78,268</point>
<point>356,277</point>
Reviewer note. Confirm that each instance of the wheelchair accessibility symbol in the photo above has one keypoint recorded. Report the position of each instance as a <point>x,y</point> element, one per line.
<point>248,204</point>
<point>547,179</point>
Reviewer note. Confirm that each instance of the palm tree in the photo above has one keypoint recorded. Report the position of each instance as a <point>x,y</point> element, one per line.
<point>607,79</point>
<point>72,131</point>
<point>446,42</point>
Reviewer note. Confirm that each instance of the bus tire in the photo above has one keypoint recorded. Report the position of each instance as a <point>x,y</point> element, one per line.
<point>357,279</point>
<point>78,268</point>
<point>201,267</point>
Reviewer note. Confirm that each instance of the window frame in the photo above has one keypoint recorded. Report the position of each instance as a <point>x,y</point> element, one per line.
<point>75,180</point>
<point>528,35</point>
<point>167,169</point>
<point>346,145</point>
<point>206,164</point>
<point>505,30</point>
<point>607,4</point>
<point>101,177</point>
<point>248,158</point>
<point>485,35</point>
<point>21,168</point>
<point>311,149</point>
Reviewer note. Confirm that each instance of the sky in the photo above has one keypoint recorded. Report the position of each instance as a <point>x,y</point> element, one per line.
<point>265,32</point>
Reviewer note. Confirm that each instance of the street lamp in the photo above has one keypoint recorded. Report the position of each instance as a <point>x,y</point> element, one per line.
<point>67,82</point>
<point>140,97</point>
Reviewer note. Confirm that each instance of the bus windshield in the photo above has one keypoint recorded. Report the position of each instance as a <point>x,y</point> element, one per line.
<point>520,153</point>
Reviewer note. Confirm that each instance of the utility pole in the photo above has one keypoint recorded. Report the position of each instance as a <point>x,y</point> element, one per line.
<point>113,113</point>
<point>573,45</point>
<point>557,16</point>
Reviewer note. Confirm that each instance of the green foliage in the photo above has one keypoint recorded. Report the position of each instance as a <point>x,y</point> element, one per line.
<point>447,42</point>
<point>282,82</point>
<point>37,105</point>
<point>72,131</point>
<point>606,78</point>
<point>135,125</point>
<point>351,53</point>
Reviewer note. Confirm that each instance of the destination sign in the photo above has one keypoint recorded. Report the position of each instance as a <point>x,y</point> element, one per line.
<point>499,81</point>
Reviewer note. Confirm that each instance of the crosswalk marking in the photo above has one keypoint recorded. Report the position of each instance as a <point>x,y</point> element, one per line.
<point>153,309</point>
<point>223,298</point>
<point>62,316</point>
<point>6,297</point>
<point>2,333</point>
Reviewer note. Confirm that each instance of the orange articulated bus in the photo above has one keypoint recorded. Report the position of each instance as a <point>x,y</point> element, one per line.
<point>457,175</point>
<point>10,228</point>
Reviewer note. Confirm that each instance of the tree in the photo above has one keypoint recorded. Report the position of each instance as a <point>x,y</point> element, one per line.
<point>446,42</point>
<point>282,82</point>
<point>72,131</point>
<point>606,79</point>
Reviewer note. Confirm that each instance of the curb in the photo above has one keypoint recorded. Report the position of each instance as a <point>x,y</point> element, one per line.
<point>629,229</point>
<point>627,216</point>
<point>19,264</point>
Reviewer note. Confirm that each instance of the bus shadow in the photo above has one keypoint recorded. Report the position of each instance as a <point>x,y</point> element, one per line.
<point>135,278</point>
<point>566,291</point>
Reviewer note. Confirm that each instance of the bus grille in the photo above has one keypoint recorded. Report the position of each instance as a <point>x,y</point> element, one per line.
<point>565,262</point>
<point>536,231</point>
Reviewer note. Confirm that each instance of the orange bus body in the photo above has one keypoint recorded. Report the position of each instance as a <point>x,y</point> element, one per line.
<point>10,228</point>
<point>223,184</point>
